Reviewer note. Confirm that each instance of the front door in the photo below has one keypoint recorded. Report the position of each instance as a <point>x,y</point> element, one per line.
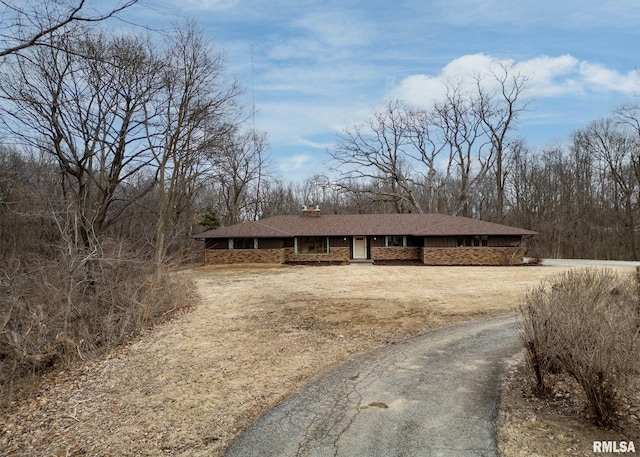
<point>360,247</point>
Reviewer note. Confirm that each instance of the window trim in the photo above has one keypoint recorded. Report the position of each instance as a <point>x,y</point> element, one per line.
<point>387,245</point>
<point>297,241</point>
<point>474,241</point>
<point>232,245</point>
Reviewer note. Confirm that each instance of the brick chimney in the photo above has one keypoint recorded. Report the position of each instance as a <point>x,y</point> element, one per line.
<point>311,210</point>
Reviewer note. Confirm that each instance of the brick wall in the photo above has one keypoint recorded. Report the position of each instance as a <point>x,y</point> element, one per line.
<point>395,253</point>
<point>429,256</point>
<point>336,255</point>
<point>228,256</point>
<point>473,256</point>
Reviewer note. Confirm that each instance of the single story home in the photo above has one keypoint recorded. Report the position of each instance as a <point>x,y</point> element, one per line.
<point>313,237</point>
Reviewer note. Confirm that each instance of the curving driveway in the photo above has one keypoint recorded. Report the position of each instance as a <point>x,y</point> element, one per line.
<point>433,395</point>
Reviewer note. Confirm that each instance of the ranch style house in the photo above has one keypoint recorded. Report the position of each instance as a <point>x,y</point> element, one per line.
<point>316,238</point>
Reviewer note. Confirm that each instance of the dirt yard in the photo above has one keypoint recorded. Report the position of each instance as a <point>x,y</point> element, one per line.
<point>190,386</point>
<point>557,425</point>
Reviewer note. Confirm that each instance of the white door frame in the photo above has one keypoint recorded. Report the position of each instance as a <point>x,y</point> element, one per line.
<point>364,238</point>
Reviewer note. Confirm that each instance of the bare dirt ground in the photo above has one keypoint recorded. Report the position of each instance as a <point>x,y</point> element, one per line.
<point>190,386</point>
<point>558,424</point>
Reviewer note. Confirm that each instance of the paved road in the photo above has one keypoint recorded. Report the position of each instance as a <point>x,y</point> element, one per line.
<point>589,263</point>
<point>433,395</point>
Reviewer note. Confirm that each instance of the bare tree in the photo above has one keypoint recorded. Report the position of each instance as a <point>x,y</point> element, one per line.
<point>619,151</point>
<point>469,149</point>
<point>427,150</point>
<point>279,198</point>
<point>27,24</point>
<point>195,111</point>
<point>89,114</point>
<point>376,152</point>
<point>499,112</point>
<point>239,167</point>
<point>629,116</point>
<point>27,184</point>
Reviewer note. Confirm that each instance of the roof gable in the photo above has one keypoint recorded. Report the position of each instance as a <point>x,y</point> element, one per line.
<point>363,224</point>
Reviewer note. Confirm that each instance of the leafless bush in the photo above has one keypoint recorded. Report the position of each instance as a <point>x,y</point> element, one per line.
<point>77,306</point>
<point>584,322</point>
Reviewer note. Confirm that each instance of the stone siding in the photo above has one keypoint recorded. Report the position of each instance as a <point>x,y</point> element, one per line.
<point>395,253</point>
<point>229,256</point>
<point>429,256</point>
<point>473,256</point>
<point>336,255</point>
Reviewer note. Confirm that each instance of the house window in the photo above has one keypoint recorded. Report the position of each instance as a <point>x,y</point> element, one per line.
<point>474,241</point>
<point>312,245</point>
<point>395,240</point>
<point>243,243</point>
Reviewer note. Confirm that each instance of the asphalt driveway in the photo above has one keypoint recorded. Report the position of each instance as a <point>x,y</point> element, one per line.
<point>433,395</point>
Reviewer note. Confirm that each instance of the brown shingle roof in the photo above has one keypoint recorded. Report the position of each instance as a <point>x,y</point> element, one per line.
<point>363,224</point>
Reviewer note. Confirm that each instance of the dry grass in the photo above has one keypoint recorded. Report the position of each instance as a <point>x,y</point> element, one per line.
<point>192,385</point>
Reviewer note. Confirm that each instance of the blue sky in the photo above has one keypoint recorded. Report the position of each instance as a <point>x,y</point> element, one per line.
<point>322,66</point>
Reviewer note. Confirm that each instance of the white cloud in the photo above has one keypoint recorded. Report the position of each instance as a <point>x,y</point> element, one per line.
<point>326,37</point>
<point>336,27</point>
<point>424,89</point>
<point>295,162</point>
<point>314,144</point>
<point>599,76</point>
<point>548,77</point>
<point>420,89</point>
<point>311,125</point>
